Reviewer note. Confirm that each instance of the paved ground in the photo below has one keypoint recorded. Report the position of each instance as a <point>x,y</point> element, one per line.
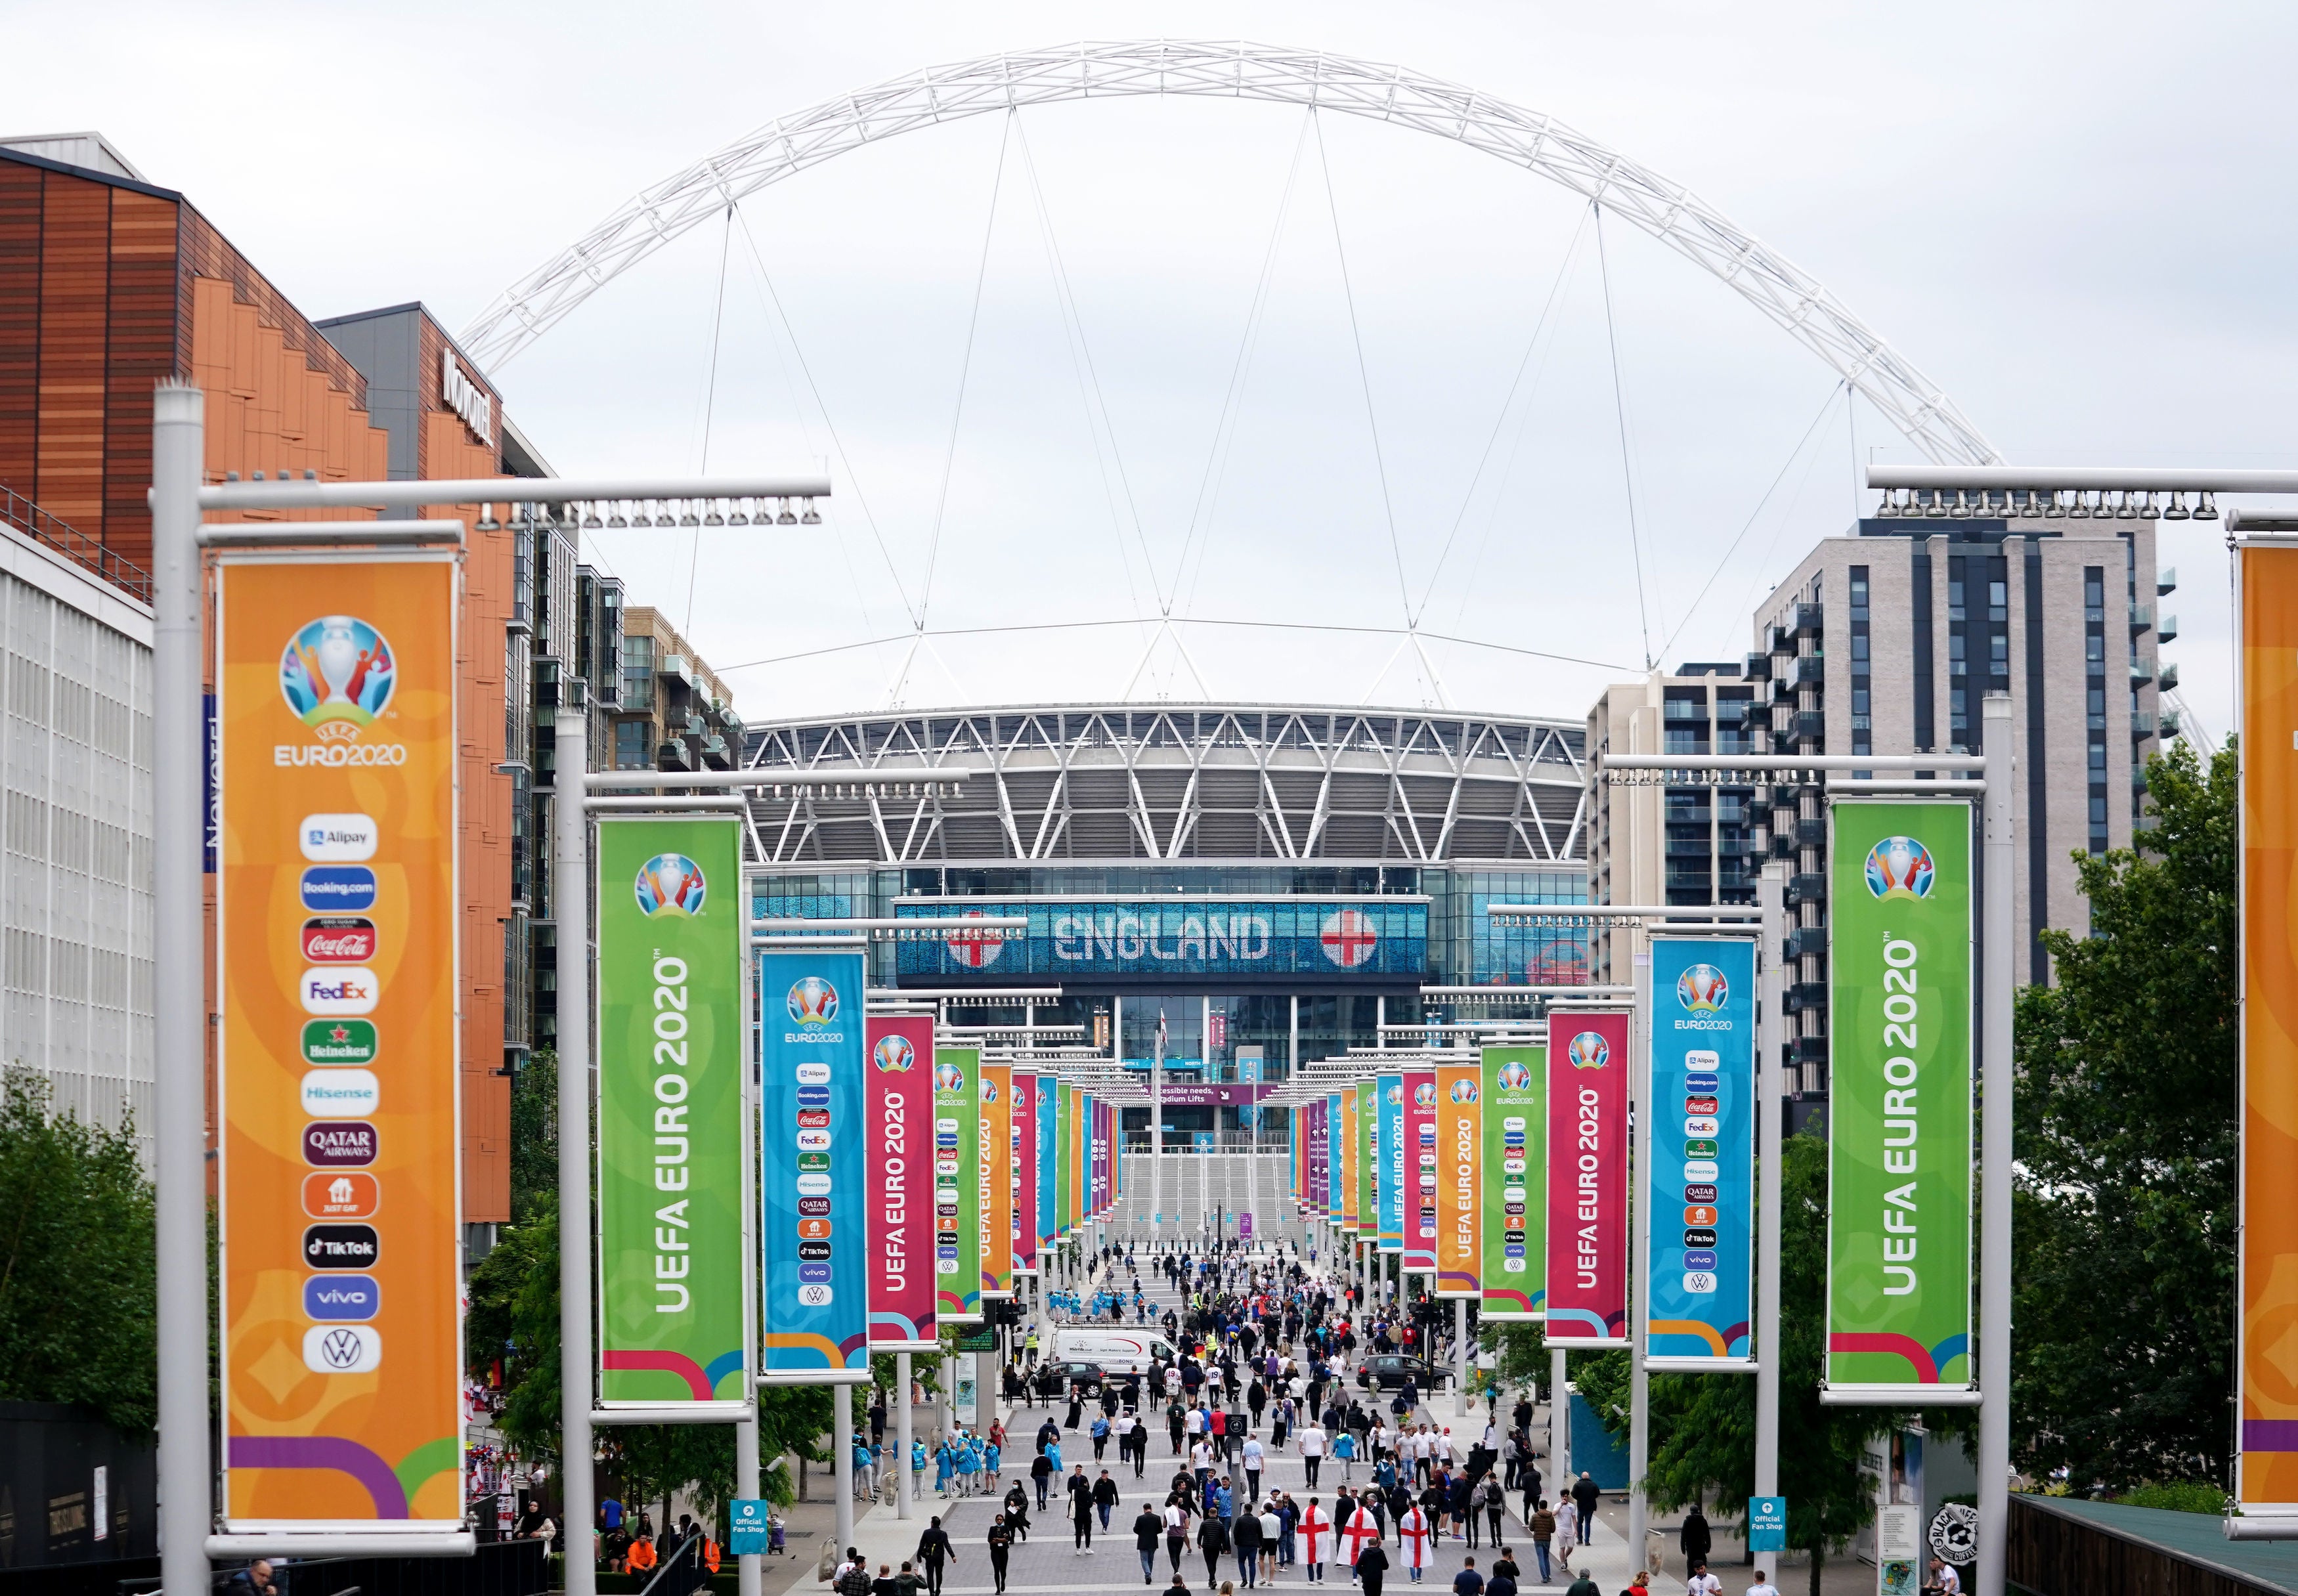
<point>1049,1564</point>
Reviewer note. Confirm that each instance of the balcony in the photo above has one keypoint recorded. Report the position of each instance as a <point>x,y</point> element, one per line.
<point>2142,724</point>
<point>2168,677</point>
<point>1688,847</point>
<point>1779,640</point>
<point>1688,816</point>
<point>1804,995</point>
<point>1784,846</point>
<point>1811,671</point>
<point>2168,631</point>
<point>715,754</point>
<point>516,982</point>
<point>2142,672</point>
<point>2166,582</point>
<point>673,754</point>
<point>2169,722</point>
<point>1685,709</point>
<point>1758,667</point>
<point>2142,616</point>
<point>1811,1050</point>
<point>1807,942</point>
<point>1810,889</point>
<point>1810,725</point>
<point>1811,833</point>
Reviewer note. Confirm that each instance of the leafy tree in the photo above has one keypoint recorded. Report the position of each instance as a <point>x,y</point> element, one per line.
<point>534,1135</point>
<point>77,1290</point>
<point>2125,1219</point>
<point>793,1423</point>
<point>656,1461</point>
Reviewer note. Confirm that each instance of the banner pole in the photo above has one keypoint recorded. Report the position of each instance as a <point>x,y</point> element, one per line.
<point>1995,1156</point>
<point>1559,1424</point>
<point>1460,1357</point>
<point>179,969</point>
<point>749,1568</point>
<point>571,854</point>
<point>901,1437</point>
<point>841,1422</point>
<point>1771,897</point>
<point>1640,1285</point>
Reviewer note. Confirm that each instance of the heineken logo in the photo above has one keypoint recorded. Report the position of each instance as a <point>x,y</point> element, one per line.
<point>339,1042</point>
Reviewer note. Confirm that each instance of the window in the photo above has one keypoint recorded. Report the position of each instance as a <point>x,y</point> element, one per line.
<point>1998,601</point>
<point>1858,649</point>
<point>631,752</point>
<point>1955,599</point>
<point>2094,651</point>
<point>1998,649</point>
<point>2098,756</point>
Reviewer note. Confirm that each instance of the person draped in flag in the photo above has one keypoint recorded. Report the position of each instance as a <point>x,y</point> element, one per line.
<point>1359,1530</point>
<point>1317,1528</point>
<point>1413,1535</point>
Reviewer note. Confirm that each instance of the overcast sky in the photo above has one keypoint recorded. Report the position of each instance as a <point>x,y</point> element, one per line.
<point>2062,214</point>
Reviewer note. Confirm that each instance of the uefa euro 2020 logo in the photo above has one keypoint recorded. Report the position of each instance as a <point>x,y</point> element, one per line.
<point>812,1001</point>
<point>338,673</point>
<point>1464,1091</point>
<point>989,1091</point>
<point>672,884</point>
<point>1514,1077</point>
<point>1589,1051</point>
<point>1702,989</point>
<point>948,1077</point>
<point>894,1055</point>
<point>1900,867</point>
<point>1424,1094</point>
<point>1396,1093</point>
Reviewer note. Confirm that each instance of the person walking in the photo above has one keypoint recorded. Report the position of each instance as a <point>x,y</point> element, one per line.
<point>1001,1546</point>
<point>1212,1540</point>
<point>1312,1449</point>
<point>1081,1512</point>
<point>1252,1457</point>
<point>1582,1585</point>
<point>1316,1540</point>
<point>1414,1532</point>
<point>1245,1534</point>
<point>934,1549</point>
<point>1586,1495</point>
<point>1495,1507</point>
<point>1105,1497</point>
<point>1371,1568</point>
<point>1041,1471</point>
<point>1543,1525</point>
<point>1148,1528</point>
<point>1274,1540</point>
<point>1017,1512</point>
<point>1695,1540</point>
<point>1176,1532</point>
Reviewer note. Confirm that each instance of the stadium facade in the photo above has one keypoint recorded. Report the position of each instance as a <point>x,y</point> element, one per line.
<point>1271,882</point>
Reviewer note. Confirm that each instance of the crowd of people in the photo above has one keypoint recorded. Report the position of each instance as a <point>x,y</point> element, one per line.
<point>1271,1361</point>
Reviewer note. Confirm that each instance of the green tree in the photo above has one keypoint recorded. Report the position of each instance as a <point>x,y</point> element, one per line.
<point>656,1461</point>
<point>534,1135</point>
<point>2125,1219</point>
<point>78,1297</point>
<point>793,1423</point>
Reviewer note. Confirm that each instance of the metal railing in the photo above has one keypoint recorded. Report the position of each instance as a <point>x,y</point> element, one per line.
<point>74,545</point>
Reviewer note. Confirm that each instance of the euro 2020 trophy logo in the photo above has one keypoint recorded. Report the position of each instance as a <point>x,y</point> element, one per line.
<point>338,673</point>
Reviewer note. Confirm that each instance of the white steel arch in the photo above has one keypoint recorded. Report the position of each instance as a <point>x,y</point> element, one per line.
<point>1667,211</point>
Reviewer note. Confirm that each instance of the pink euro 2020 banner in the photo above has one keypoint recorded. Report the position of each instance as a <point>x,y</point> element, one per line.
<point>1588,1237</point>
<point>1420,1170</point>
<point>1025,1186</point>
<point>899,1223</point>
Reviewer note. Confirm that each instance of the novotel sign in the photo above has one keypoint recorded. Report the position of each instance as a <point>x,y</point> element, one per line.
<point>465,398</point>
<point>1360,939</point>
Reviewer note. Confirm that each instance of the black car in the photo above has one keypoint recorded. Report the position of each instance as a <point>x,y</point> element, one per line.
<point>1086,1377</point>
<point>1389,1370</point>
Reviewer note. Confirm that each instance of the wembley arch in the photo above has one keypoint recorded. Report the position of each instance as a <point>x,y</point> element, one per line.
<point>1790,297</point>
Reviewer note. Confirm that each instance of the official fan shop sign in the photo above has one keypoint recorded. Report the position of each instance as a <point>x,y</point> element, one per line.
<point>1587,1186</point>
<point>339,1155</point>
<point>1460,1179</point>
<point>898,1100</point>
<point>1067,938</point>
<point>815,1298</point>
<point>957,1184</point>
<point>673,1281</point>
<point>1700,1197</point>
<point>1514,1091</point>
<point>1899,1104</point>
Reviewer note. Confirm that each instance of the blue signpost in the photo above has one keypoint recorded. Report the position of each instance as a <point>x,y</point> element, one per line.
<point>1767,1524</point>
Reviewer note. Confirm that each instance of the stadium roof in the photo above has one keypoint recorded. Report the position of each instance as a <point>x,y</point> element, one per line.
<point>1198,783</point>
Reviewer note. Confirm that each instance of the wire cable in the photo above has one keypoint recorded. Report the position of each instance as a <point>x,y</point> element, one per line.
<point>710,403</point>
<point>1620,412</point>
<point>1364,374</point>
<point>965,365</point>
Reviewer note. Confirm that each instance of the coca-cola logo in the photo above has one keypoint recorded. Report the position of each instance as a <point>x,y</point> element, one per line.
<point>338,940</point>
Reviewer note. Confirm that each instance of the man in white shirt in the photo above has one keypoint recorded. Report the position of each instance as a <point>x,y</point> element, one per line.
<point>1944,1577</point>
<point>1700,1583</point>
<point>1312,1449</point>
<point>1763,1585</point>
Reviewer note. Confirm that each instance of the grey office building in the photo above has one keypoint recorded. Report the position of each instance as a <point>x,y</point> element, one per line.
<point>1887,640</point>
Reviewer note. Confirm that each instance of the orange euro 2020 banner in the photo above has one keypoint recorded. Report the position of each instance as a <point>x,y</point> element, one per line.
<point>336,945</point>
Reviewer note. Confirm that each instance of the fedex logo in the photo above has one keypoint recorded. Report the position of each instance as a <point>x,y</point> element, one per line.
<point>340,991</point>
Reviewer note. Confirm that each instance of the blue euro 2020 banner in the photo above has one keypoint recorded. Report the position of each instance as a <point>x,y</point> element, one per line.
<point>1327,939</point>
<point>1389,1161</point>
<point>812,1189</point>
<point>1701,1209</point>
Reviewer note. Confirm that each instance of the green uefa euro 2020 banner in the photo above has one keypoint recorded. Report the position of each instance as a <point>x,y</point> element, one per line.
<point>957,1182</point>
<point>1369,1160</point>
<point>1514,1273</point>
<point>674,1287</point>
<point>1899,1110</point>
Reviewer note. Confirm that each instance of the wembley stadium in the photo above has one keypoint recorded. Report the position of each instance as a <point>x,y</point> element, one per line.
<point>1266,884</point>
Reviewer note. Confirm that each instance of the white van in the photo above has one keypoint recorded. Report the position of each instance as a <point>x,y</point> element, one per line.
<point>1118,1351</point>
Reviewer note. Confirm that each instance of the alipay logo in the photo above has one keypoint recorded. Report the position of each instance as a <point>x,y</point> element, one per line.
<point>812,1001</point>
<point>337,669</point>
<point>1900,867</point>
<point>1702,989</point>
<point>672,884</point>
